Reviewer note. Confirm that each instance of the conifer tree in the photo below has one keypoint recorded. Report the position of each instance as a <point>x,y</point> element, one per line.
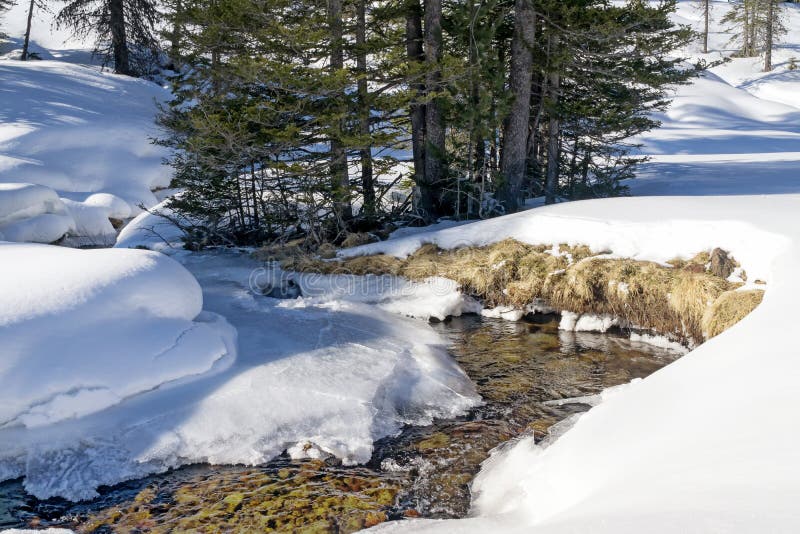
<point>124,29</point>
<point>289,112</point>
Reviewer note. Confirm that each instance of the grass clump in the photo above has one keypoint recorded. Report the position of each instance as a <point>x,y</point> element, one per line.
<point>686,301</point>
<point>729,308</point>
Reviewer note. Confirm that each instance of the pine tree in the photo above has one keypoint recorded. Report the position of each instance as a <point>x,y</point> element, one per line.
<point>272,113</point>
<point>435,169</point>
<point>125,30</point>
<point>756,25</point>
<point>774,28</point>
<point>27,39</point>
<point>288,112</point>
<point>606,69</point>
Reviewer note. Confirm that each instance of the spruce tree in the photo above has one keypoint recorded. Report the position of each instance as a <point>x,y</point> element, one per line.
<point>124,29</point>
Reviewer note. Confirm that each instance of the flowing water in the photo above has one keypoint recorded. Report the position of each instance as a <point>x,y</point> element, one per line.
<point>520,368</point>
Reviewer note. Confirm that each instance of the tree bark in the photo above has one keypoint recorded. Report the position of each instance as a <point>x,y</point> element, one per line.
<point>25,44</point>
<point>367,185</point>
<point>434,118</point>
<point>119,41</point>
<point>338,165</point>
<point>706,13</point>
<point>515,137</point>
<point>175,35</point>
<point>768,37</point>
<point>415,54</point>
<point>553,133</point>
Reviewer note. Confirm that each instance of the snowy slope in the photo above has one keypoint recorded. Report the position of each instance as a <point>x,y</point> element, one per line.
<point>85,134</point>
<point>734,131</point>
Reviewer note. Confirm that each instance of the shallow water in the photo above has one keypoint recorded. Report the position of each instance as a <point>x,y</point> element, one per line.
<point>424,471</point>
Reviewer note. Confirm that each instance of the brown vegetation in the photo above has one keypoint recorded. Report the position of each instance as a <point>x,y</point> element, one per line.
<point>686,301</point>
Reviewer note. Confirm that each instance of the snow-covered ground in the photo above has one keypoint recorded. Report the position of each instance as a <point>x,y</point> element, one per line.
<point>86,135</point>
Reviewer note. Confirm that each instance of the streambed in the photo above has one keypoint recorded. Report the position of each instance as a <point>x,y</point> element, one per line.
<point>519,368</point>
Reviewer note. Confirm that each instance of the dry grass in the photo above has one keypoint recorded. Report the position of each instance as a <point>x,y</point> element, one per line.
<point>685,301</point>
<point>730,308</point>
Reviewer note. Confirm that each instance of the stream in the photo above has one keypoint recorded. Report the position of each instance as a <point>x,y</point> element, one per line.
<point>519,368</point>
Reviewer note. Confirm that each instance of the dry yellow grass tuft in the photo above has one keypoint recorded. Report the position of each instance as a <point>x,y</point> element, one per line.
<point>686,301</point>
<point>730,308</point>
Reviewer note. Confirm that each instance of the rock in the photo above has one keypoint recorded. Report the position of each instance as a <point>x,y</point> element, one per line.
<point>722,265</point>
<point>282,289</point>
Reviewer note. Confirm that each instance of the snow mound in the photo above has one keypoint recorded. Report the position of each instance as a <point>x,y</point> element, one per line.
<point>153,230</point>
<point>31,212</point>
<point>83,330</point>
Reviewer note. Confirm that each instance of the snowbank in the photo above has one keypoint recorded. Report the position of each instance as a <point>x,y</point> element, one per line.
<point>316,376</point>
<point>83,330</point>
<point>153,230</point>
<point>31,212</point>
<point>669,453</point>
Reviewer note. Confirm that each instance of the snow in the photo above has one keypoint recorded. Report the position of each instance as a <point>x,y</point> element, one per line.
<point>85,134</point>
<point>318,376</point>
<point>111,369</point>
<point>151,230</point>
<point>31,212</point>
<point>707,443</point>
<point>586,322</point>
<point>83,330</point>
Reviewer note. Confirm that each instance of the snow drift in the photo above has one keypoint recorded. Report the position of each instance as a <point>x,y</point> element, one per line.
<point>83,330</point>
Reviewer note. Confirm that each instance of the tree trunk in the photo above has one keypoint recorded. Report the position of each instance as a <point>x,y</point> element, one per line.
<point>367,186</point>
<point>515,137</point>
<point>119,41</point>
<point>25,44</point>
<point>553,135</point>
<point>434,118</point>
<point>338,165</point>
<point>768,37</point>
<point>706,13</point>
<point>175,35</point>
<point>415,54</point>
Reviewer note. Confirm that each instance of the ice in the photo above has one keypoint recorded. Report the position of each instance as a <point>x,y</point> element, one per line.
<point>586,322</point>
<point>325,374</point>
